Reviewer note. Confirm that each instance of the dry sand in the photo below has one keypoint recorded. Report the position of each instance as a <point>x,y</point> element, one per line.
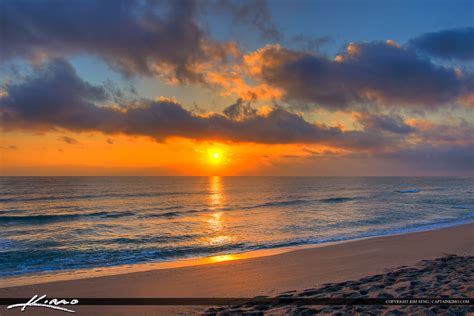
<point>449,278</point>
<point>271,275</point>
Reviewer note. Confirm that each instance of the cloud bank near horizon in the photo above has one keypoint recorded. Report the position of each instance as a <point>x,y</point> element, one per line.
<point>56,98</point>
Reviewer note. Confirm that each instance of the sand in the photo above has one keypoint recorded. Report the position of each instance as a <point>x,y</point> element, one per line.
<point>450,277</point>
<point>297,271</point>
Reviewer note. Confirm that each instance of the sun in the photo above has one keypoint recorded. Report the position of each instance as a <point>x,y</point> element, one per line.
<point>216,156</point>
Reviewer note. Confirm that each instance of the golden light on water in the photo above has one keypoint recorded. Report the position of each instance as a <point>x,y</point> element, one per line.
<point>216,221</point>
<point>222,258</point>
<point>216,195</point>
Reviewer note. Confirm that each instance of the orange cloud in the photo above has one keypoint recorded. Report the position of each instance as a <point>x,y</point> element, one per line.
<point>467,100</point>
<point>234,83</point>
<point>353,49</point>
<point>242,78</point>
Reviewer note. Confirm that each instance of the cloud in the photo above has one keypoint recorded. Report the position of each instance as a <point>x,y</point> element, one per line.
<point>233,82</point>
<point>382,122</point>
<point>454,44</point>
<point>251,12</point>
<point>135,37</point>
<point>441,158</point>
<point>239,110</point>
<point>168,39</point>
<point>309,44</point>
<point>380,73</point>
<point>54,97</point>
<point>68,140</point>
<point>460,132</point>
<point>12,147</point>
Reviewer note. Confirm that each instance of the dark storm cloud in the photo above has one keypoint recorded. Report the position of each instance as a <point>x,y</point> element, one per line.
<point>455,44</point>
<point>381,73</point>
<point>132,36</point>
<point>56,98</point>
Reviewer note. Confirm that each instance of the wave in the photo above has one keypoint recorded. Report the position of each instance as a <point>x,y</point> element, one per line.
<point>173,214</point>
<point>157,208</point>
<point>173,211</point>
<point>94,196</point>
<point>283,203</point>
<point>44,219</point>
<point>57,260</point>
<point>462,208</point>
<point>72,216</point>
<point>338,200</point>
<point>12,211</point>
<point>149,240</point>
<point>72,259</point>
<point>409,191</point>
<point>304,201</point>
<point>48,218</point>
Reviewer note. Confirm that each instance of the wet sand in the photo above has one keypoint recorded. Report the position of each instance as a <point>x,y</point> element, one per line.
<point>299,270</point>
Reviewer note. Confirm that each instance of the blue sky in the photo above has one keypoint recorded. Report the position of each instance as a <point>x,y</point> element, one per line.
<point>346,21</point>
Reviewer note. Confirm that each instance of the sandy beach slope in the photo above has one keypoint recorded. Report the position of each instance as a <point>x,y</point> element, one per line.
<point>297,271</point>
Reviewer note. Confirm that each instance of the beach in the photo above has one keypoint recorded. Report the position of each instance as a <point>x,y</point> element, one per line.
<point>446,279</point>
<point>365,262</point>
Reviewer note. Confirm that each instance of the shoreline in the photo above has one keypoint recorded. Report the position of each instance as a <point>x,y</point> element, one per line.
<point>268,275</point>
<point>97,272</point>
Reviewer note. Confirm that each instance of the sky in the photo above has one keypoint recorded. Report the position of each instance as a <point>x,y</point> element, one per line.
<point>224,87</point>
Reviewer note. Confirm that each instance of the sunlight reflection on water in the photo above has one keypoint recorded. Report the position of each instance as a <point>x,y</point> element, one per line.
<point>215,221</point>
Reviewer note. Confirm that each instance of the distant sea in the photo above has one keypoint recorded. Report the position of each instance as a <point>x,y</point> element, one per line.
<point>68,223</point>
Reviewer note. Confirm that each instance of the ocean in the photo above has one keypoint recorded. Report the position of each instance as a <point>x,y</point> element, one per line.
<point>49,224</point>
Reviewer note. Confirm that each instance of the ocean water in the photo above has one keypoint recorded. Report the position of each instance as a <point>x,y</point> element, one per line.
<point>67,223</point>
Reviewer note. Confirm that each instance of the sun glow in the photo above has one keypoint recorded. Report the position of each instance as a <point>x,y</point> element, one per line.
<point>216,156</point>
